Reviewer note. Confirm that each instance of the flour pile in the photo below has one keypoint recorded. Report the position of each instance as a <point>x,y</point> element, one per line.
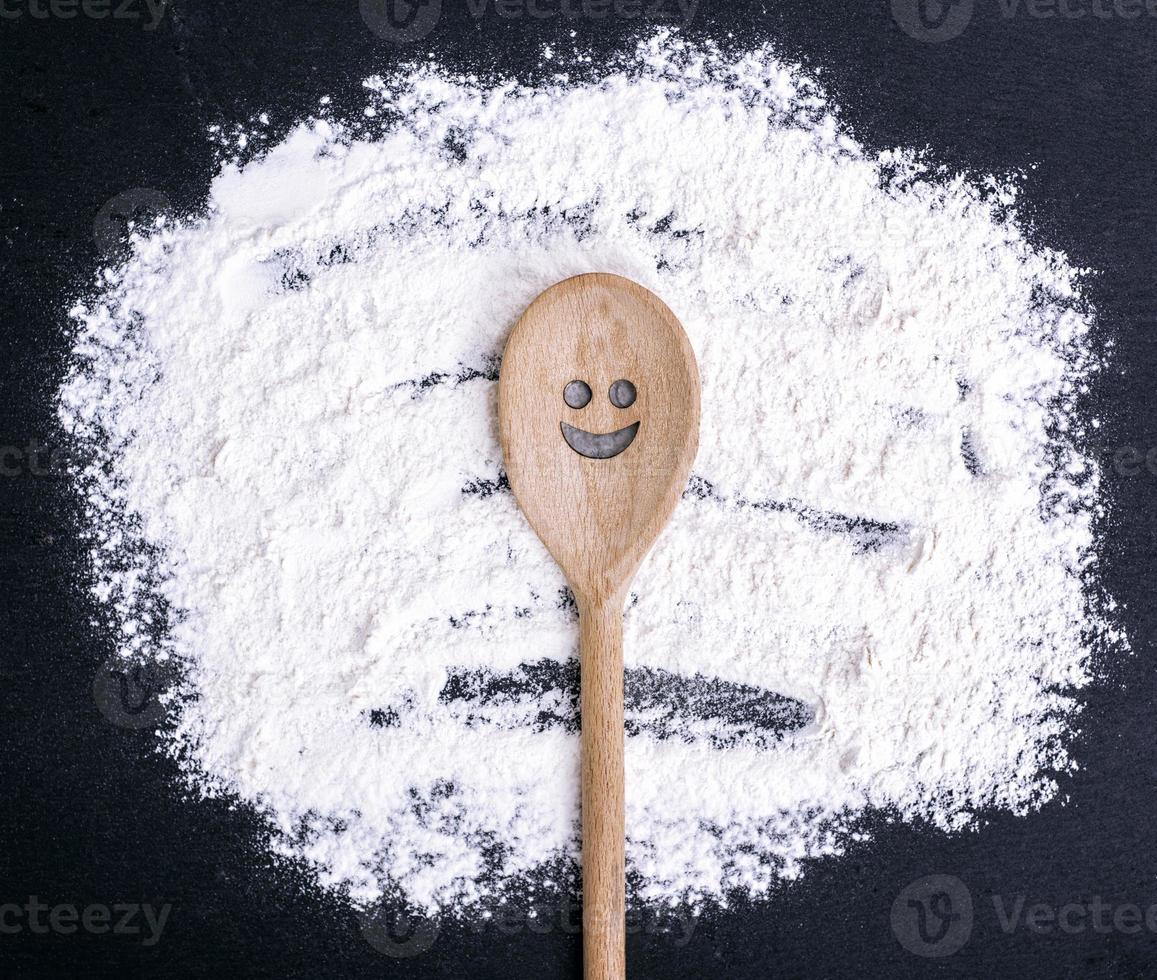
<point>296,489</point>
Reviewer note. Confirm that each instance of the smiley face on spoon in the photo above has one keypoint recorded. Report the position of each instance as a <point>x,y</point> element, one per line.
<point>577,394</point>
<point>598,418</point>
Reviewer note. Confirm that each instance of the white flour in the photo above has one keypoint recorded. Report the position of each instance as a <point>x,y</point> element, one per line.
<point>890,518</point>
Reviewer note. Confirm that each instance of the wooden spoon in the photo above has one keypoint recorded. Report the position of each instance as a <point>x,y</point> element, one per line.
<point>598,408</point>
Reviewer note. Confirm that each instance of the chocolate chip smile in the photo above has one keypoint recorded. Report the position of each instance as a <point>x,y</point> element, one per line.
<point>592,445</point>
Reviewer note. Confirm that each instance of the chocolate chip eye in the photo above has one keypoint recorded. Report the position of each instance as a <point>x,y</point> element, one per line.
<point>622,394</point>
<point>577,394</point>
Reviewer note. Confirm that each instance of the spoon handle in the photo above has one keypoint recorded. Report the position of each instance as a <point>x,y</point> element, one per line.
<point>603,830</point>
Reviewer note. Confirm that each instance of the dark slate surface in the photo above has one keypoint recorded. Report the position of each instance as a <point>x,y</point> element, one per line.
<point>91,817</point>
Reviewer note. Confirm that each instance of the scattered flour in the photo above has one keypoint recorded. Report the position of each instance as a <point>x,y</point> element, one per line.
<point>296,489</point>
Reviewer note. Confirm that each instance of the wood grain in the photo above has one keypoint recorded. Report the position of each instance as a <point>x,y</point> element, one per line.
<point>598,517</point>
<point>604,876</point>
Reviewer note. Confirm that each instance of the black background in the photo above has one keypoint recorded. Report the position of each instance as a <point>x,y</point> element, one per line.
<point>92,814</point>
